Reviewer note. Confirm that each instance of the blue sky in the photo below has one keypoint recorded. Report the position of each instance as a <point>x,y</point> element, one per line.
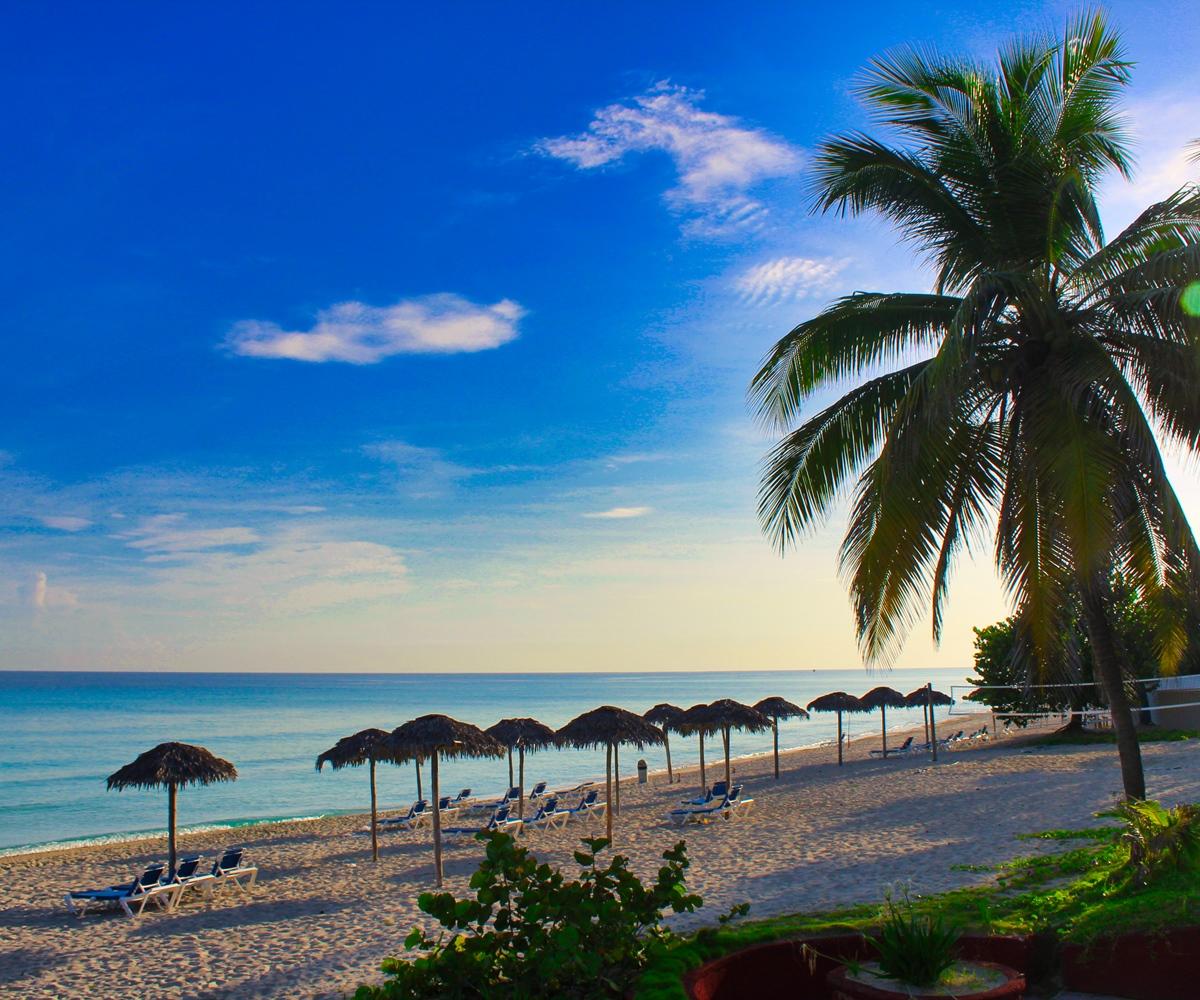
<point>397,338</point>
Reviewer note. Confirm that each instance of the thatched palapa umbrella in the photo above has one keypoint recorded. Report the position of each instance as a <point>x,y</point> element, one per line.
<point>608,727</point>
<point>926,698</point>
<point>171,766</point>
<point>521,734</point>
<point>695,722</point>
<point>884,698</point>
<point>775,709</point>
<point>664,716</point>
<point>727,715</point>
<point>364,747</point>
<point>837,701</point>
<point>434,737</point>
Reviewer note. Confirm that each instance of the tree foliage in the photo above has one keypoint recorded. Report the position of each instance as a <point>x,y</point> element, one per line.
<point>531,933</point>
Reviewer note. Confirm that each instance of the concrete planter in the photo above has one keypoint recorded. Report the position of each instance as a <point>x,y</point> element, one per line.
<point>842,987</point>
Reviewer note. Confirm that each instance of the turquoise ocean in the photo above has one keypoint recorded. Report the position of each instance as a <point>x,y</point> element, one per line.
<point>62,733</point>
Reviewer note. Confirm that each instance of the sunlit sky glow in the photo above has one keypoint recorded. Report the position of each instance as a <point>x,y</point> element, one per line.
<point>388,338</point>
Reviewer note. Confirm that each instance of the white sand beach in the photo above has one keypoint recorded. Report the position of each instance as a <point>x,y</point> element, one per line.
<point>323,915</point>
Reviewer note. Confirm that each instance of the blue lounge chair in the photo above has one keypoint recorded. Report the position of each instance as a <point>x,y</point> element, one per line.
<point>537,791</point>
<point>549,815</point>
<point>729,805</point>
<point>499,820</point>
<point>189,876</point>
<point>231,867</point>
<point>589,806</point>
<point>904,748</point>
<point>131,897</point>
<point>416,813</point>
<point>462,798</point>
<point>717,792</point>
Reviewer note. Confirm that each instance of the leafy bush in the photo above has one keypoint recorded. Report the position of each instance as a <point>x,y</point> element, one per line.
<point>1162,842</point>
<point>530,932</point>
<point>914,949</point>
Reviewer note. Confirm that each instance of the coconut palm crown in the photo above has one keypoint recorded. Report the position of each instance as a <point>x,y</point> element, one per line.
<point>1025,395</point>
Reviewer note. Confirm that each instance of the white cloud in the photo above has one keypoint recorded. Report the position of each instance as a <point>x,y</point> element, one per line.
<point>787,278</point>
<point>66,522</point>
<point>718,159</point>
<point>1162,127</point>
<point>363,334</point>
<point>620,513</point>
<point>424,472</point>
<point>164,536</point>
<point>36,594</point>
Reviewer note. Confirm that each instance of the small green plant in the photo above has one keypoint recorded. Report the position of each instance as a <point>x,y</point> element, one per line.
<point>914,949</point>
<point>532,933</point>
<point>1162,842</point>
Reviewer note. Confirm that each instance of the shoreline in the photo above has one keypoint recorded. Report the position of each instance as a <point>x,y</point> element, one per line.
<point>252,824</point>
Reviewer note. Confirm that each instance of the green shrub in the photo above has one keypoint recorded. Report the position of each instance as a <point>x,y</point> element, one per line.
<point>914,949</point>
<point>532,933</point>
<point>1162,842</point>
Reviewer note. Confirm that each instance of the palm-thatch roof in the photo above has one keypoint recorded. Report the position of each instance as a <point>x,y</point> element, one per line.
<point>837,701</point>
<point>527,733</point>
<point>695,720</point>
<point>780,708</point>
<point>175,764</point>
<point>921,696</point>
<point>420,738</point>
<point>884,697</point>
<point>609,725</point>
<point>352,751</point>
<point>663,714</point>
<point>729,714</point>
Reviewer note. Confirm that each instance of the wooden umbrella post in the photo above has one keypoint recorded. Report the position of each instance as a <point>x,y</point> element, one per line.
<point>172,792</point>
<point>775,732</point>
<point>608,807</point>
<point>374,815</point>
<point>520,781</point>
<point>437,819</point>
<point>510,768</point>
<point>420,794</point>
<point>667,746</point>
<point>728,778</point>
<point>932,724</point>
<point>617,775</point>
<point>839,715</point>
<point>883,728</point>
<point>703,778</point>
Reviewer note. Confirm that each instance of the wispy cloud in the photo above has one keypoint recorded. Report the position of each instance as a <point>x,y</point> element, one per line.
<point>718,158</point>
<point>166,536</point>
<point>784,278</point>
<point>66,522</point>
<point>423,472</point>
<point>362,334</point>
<point>619,513</point>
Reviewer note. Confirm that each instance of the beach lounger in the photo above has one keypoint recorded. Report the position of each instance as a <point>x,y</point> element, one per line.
<point>549,815</point>
<point>462,798</point>
<point>717,792</point>
<point>231,867</point>
<point>499,820</point>
<point>131,897</point>
<point>537,791</point>
<point>507,799</point>
<point>589,806</point>
<point>726,808</point>
<point>417,812</point>
<point>904,748</point>
<point>189,876</point>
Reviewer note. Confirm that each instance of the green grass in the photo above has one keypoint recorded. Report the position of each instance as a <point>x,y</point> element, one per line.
<point>1153,734</point>
<point>1079,894</point>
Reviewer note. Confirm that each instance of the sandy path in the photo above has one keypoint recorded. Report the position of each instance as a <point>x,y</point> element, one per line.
<point>323,915</point>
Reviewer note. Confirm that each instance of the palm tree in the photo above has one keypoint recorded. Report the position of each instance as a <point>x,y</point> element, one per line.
<point>1026,394</point>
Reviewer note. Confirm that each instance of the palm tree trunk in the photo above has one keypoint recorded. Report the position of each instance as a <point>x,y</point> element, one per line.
<point>703,779</point>
<point>1104,659</point>
<point>775,727</point>
<point>839,738</point>
<point>172,792</point>
<point>374,831</point>
<point>521,782</point>
<point>437,819</point>
<point>608,808</point>
<point>667,747</point>
<point>617,775</point>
